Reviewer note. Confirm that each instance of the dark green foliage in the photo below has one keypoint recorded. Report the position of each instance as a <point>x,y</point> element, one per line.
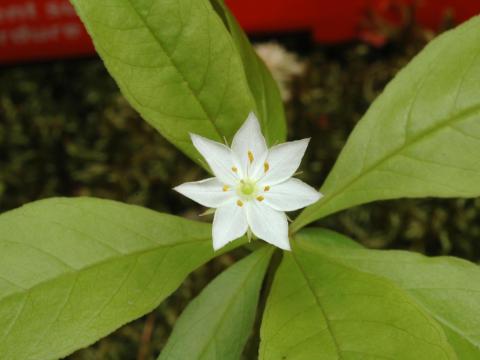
<point>66,130</point>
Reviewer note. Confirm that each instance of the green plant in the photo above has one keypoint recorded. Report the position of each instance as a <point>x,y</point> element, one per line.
<point>73,270</point>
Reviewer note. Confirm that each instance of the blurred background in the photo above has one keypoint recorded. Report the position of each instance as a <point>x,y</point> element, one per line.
<point>65,129</point>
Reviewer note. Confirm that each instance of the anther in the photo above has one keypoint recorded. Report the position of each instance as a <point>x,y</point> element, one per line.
<point>234,169</point>
<point>239,203</point>
<point>250,156</point>
<point>226,188</point>
<point>260,198</point>
<point>266,166</point>
<point>266,188</point>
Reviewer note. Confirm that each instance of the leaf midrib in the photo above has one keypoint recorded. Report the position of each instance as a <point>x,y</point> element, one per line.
<point>297,225</point>
<point>23,290</point>
<point>319,303</point>
<point>175,65</point>
<point>232,300</point>
<point>413,298</point>
<point>418,305</point>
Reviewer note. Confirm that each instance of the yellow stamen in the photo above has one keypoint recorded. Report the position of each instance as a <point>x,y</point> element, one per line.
<point>250,156</point>
<point>260,198</point>
<point>234,169</point>
<point>239,203</point>
<point>266,188</point>
<point>226,187</point>
<point>266,166</point>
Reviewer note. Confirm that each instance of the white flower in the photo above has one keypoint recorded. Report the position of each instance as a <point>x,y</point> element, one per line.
<point>252,187</point>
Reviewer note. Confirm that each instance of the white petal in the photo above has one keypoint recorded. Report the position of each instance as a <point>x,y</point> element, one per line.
<point>208,192</point>
<point>268,224</point>
<point>218,156</point>
<point>229,223</point>
<point>256,168</point>
<point>249,138</point>
<point>283,160</point>
<point>291,195</point>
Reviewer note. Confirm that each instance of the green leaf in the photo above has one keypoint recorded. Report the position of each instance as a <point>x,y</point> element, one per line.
<point>425,297</point>
<point>176,63</point>
<point>421,137</point>
<point>74,270</point>
<point>327,237</point>
<point>346,302</point>
<point>447,288</point>
<point>262,85</point>
<point>217,324</point>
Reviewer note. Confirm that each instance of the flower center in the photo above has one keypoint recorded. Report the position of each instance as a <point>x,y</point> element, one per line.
<point>247,189</point>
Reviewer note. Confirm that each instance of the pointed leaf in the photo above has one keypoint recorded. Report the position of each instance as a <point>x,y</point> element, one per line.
<point>175,62</point>
<point>74,270</point>
<point>447,288</point>
<point>421,137</point>
<point>217,324</point>
<point>323,306</point>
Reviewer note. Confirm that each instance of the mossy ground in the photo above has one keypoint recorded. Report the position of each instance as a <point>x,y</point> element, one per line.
<point>65,130</point>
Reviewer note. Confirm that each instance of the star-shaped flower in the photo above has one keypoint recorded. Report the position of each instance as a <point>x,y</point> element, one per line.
<point>252,187</point>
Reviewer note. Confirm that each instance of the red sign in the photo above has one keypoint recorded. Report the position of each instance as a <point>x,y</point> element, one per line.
<point>41,29</point>
<point>334,21</point>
